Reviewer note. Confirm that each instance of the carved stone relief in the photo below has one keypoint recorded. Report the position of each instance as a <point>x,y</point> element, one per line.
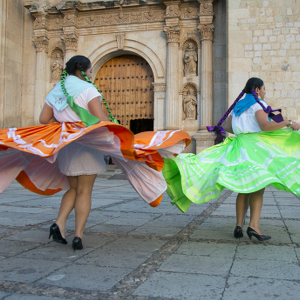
<point>206,31</point>
<point>57,64</point>
<point>190,103</point>
<point>190,58</point>
<point>172,33</point>
<point>172,10</point>
<point>189,12</point>
<point>70,41</point>
<point>206,8</point>
<point>41,43</point>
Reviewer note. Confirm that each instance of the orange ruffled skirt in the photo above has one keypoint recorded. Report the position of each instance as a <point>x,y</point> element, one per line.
<point>29,155</point>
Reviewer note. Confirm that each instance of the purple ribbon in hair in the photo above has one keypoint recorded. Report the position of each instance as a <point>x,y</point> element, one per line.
<point>220,131</point>
<point>269,111</point>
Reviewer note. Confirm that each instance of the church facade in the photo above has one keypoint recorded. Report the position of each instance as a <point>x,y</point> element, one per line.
<point>160,65</point>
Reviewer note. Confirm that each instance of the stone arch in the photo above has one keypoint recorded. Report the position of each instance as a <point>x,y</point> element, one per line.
<point>109,50</point>
<point>192,38</point>
<point>187,86</point>
<point>190,86</point>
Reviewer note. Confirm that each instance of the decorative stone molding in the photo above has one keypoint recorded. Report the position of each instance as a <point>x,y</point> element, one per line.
<point>189,12</point>
<point>40,21</point>
<point>206,8</point>
<point>159,86</point>
<point>55,23</point>
<point>120,40</point>
<point>172,33</point>
<point>70,18</point>
<point>41,43</point>
<point>206,31</point>
<point>173,10</point>
<point>70,40</point>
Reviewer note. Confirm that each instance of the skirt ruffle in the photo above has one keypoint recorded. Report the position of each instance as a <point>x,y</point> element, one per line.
<point>29,155</point>
<point>243,164</point>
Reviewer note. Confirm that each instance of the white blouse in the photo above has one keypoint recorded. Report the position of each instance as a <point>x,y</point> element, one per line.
<point>68,115</point>
<point>246,121</point>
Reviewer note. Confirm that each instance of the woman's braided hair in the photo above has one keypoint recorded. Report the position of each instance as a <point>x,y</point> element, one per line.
<point>81,63</point>
<point>249,88</point>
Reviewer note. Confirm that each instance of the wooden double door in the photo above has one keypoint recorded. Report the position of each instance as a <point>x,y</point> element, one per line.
<point>126,84</point>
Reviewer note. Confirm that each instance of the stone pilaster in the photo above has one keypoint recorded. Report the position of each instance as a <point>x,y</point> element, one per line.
<point>206,29</point>
<point>41,41</point>
<point>159,89</point>
<point>70,37</point>
<point>172,31</point>
<point>205,139</point>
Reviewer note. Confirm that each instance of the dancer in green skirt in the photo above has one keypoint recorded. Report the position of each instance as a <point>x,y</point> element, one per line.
<point>263,153</point>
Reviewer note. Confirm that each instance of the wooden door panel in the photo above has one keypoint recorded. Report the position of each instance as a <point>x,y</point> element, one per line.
<point>126,84</point>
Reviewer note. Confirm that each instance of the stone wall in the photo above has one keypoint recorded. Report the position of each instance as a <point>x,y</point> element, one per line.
<point>264,41</point>
<point>11,60</point>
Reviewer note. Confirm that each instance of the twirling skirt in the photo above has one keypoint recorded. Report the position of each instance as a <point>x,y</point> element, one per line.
<point>30,154</point>
<point>243,164</point>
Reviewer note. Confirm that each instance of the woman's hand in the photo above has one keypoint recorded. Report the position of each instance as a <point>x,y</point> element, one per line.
<point>295,125</point>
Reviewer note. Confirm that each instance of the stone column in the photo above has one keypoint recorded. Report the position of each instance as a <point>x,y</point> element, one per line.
<point>70,37</point>
<point>159,109</point>
<point>70,40</point>
<point>206,75</point>
<point>205,139</point>
<point>41,41</point>
<point>206,29</point>
<point>172,31</point>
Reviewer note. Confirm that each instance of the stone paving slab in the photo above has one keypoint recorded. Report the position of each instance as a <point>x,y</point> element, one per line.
<point>183,286</point>
<point>135,252</point>
<point>27,270</point>
<point>272,269</point>
<point>198,264</point>
<point>86,277</point>
<point>30,297</point>
<point>250,288</point>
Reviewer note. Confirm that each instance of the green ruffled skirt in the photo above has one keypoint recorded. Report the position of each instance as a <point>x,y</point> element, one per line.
<point>243,164</point>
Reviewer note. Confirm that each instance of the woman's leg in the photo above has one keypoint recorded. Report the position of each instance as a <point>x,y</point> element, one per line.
<point>242,204</point>
<point>83,202</point>
<point>256,202</point>
<point>67,204</point>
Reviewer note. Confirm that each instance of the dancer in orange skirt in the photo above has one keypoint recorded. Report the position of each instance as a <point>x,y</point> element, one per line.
<point>67,152</point>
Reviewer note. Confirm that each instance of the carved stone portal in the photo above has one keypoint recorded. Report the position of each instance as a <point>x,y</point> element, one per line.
<point>190,59</point>
<point>190,105</point>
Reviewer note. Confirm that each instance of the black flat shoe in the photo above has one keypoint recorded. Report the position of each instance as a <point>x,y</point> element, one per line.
<point>77,243</point>
<point>251,232</point>
<point>238,232</point>
<point>55,233</point>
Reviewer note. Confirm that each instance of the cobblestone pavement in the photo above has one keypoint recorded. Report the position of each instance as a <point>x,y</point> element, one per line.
<point>134,251</point>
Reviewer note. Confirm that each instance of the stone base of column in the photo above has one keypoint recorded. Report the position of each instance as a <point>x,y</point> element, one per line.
<point>204,140</point>
<point>171,128</point>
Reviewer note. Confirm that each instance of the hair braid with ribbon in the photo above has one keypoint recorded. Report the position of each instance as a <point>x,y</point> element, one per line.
<point>220,130</point>
<point>111,117</point>
<point>62,81</point>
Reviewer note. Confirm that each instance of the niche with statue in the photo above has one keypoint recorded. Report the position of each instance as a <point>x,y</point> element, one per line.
<point>189,102</point>
<point>190,58</point>
<point>57,63</point>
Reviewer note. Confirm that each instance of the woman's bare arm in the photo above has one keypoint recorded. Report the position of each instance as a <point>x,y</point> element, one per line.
<point>96,109</point>
<point>46,115</point>
<point>266,125</point>
<point>228,124</point>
